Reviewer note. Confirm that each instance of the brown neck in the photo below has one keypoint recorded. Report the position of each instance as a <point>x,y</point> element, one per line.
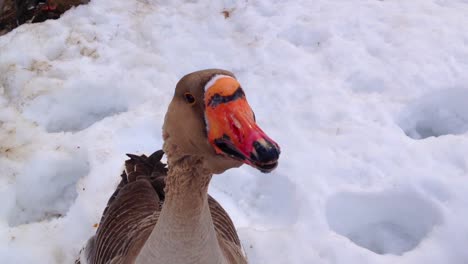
<point>186,183</point>
<point>184,232</point>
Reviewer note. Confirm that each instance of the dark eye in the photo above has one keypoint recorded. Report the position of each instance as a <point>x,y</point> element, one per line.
<point>189,98</point>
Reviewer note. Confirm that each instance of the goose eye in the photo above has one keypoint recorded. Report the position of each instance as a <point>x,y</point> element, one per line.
<point>189,98</point>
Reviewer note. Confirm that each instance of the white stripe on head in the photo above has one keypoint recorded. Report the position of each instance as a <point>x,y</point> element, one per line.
<point>213,80</point>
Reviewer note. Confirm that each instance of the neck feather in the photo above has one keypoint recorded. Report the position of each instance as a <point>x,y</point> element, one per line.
<point>186,179</point>
<point>184,232</point>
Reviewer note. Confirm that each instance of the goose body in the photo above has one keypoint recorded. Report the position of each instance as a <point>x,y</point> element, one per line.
<point>163,214</point>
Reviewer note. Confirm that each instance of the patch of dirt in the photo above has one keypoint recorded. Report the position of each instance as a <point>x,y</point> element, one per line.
<point>16,12</point>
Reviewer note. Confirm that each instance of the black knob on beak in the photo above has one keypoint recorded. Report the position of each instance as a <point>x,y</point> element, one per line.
<point>266,151</point>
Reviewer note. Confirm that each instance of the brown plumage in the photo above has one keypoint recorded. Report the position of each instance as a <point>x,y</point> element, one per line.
<point>131,213</point>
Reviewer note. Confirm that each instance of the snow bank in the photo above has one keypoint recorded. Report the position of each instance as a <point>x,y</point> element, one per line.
<point>366,98</point>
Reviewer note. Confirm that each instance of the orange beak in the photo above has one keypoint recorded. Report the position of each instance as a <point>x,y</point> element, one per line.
<point>232,129</point>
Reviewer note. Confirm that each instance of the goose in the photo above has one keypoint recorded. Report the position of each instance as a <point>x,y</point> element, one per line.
<point>163,214</point>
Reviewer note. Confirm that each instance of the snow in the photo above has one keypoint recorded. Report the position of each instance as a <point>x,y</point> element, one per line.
<point>435,114</point>
<point>367,100</point>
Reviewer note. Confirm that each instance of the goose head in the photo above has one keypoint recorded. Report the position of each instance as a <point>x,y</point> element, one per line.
<point>209,116</point>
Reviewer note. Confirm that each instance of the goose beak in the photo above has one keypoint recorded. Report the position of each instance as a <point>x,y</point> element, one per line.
<point>232,129</point>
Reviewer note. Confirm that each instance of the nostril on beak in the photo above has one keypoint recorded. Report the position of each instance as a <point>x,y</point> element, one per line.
<point>266,151</point>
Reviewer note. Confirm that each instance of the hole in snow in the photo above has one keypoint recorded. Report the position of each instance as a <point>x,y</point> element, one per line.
<point>442,113</point>
<point>304,35</point>
<point>46,188</point>
<point>390,222</point>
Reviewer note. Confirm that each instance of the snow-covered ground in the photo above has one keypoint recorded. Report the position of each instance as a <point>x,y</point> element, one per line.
<point>368,100</point>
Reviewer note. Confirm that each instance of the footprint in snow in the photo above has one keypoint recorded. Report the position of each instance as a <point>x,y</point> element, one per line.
<point>388,222</point>
<point>441,113</point>
<point>305,36</point>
